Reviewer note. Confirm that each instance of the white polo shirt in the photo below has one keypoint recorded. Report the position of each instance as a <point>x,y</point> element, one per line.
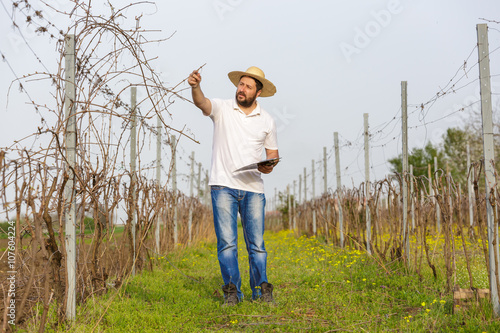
<point>239,140</point>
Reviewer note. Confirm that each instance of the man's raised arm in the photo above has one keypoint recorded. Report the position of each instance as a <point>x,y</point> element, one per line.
<point>199,98</point>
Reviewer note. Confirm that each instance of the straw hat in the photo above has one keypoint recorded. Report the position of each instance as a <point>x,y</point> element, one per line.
<point>268,88</point>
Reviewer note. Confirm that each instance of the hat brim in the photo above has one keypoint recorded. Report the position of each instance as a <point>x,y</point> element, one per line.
<point>268,88</point>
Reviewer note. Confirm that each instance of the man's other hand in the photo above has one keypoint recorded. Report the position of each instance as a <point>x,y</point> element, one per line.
<point>266,168</point>
<point>194,79</point>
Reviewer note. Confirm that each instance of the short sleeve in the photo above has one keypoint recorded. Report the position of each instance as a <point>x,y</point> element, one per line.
<point>216,108</point>
<point>271,141</point>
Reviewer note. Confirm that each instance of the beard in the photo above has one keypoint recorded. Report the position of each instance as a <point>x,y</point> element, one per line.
<point>247,101</point>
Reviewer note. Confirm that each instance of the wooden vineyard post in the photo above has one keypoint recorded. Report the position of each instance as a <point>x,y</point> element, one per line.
<point>438,209</point>
<point>69,191</point>
<point>404,125</point>
<point>367,184</point>
<point>489,158</point>
<point>469,188</point>
<point>191,185</point>
<point>133,153</point>
<point>339,187</point>
<point>158,181</point>
<point>325,192</point>
<point>313,199</point>
<point>174,187</point>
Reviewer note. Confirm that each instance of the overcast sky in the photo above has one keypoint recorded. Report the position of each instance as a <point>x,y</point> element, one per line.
<point>331,61</point>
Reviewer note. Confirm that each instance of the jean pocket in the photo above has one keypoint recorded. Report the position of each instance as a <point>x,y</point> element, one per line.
<point>217,187</point>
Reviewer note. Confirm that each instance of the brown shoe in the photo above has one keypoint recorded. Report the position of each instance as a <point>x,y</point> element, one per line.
<point>267,292</point>
<point>230,295</point>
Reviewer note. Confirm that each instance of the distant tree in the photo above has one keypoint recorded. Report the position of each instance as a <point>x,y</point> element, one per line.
<point>419,158</point>
<point>451,154</point>
<point>455,152</point>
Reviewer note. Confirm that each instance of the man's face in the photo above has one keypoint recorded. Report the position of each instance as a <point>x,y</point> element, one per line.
<point>247,93</point>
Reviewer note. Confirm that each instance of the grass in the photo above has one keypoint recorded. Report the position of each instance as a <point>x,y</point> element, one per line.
<point>318,288</point>
<point>4,229</point>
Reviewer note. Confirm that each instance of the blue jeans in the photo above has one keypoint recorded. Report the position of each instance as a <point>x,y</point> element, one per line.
<point>226,203</point>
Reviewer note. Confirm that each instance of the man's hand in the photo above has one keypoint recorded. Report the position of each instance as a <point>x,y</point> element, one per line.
<point>194,79</point>
<point>266,168</point>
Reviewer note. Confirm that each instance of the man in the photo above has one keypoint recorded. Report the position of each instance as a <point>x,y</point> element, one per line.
<point>242,131</point>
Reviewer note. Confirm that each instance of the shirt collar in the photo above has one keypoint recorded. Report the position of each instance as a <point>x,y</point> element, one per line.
<point>255,111</point>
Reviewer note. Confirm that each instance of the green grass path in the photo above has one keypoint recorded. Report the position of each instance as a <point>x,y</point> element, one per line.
<point>318,288</point>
